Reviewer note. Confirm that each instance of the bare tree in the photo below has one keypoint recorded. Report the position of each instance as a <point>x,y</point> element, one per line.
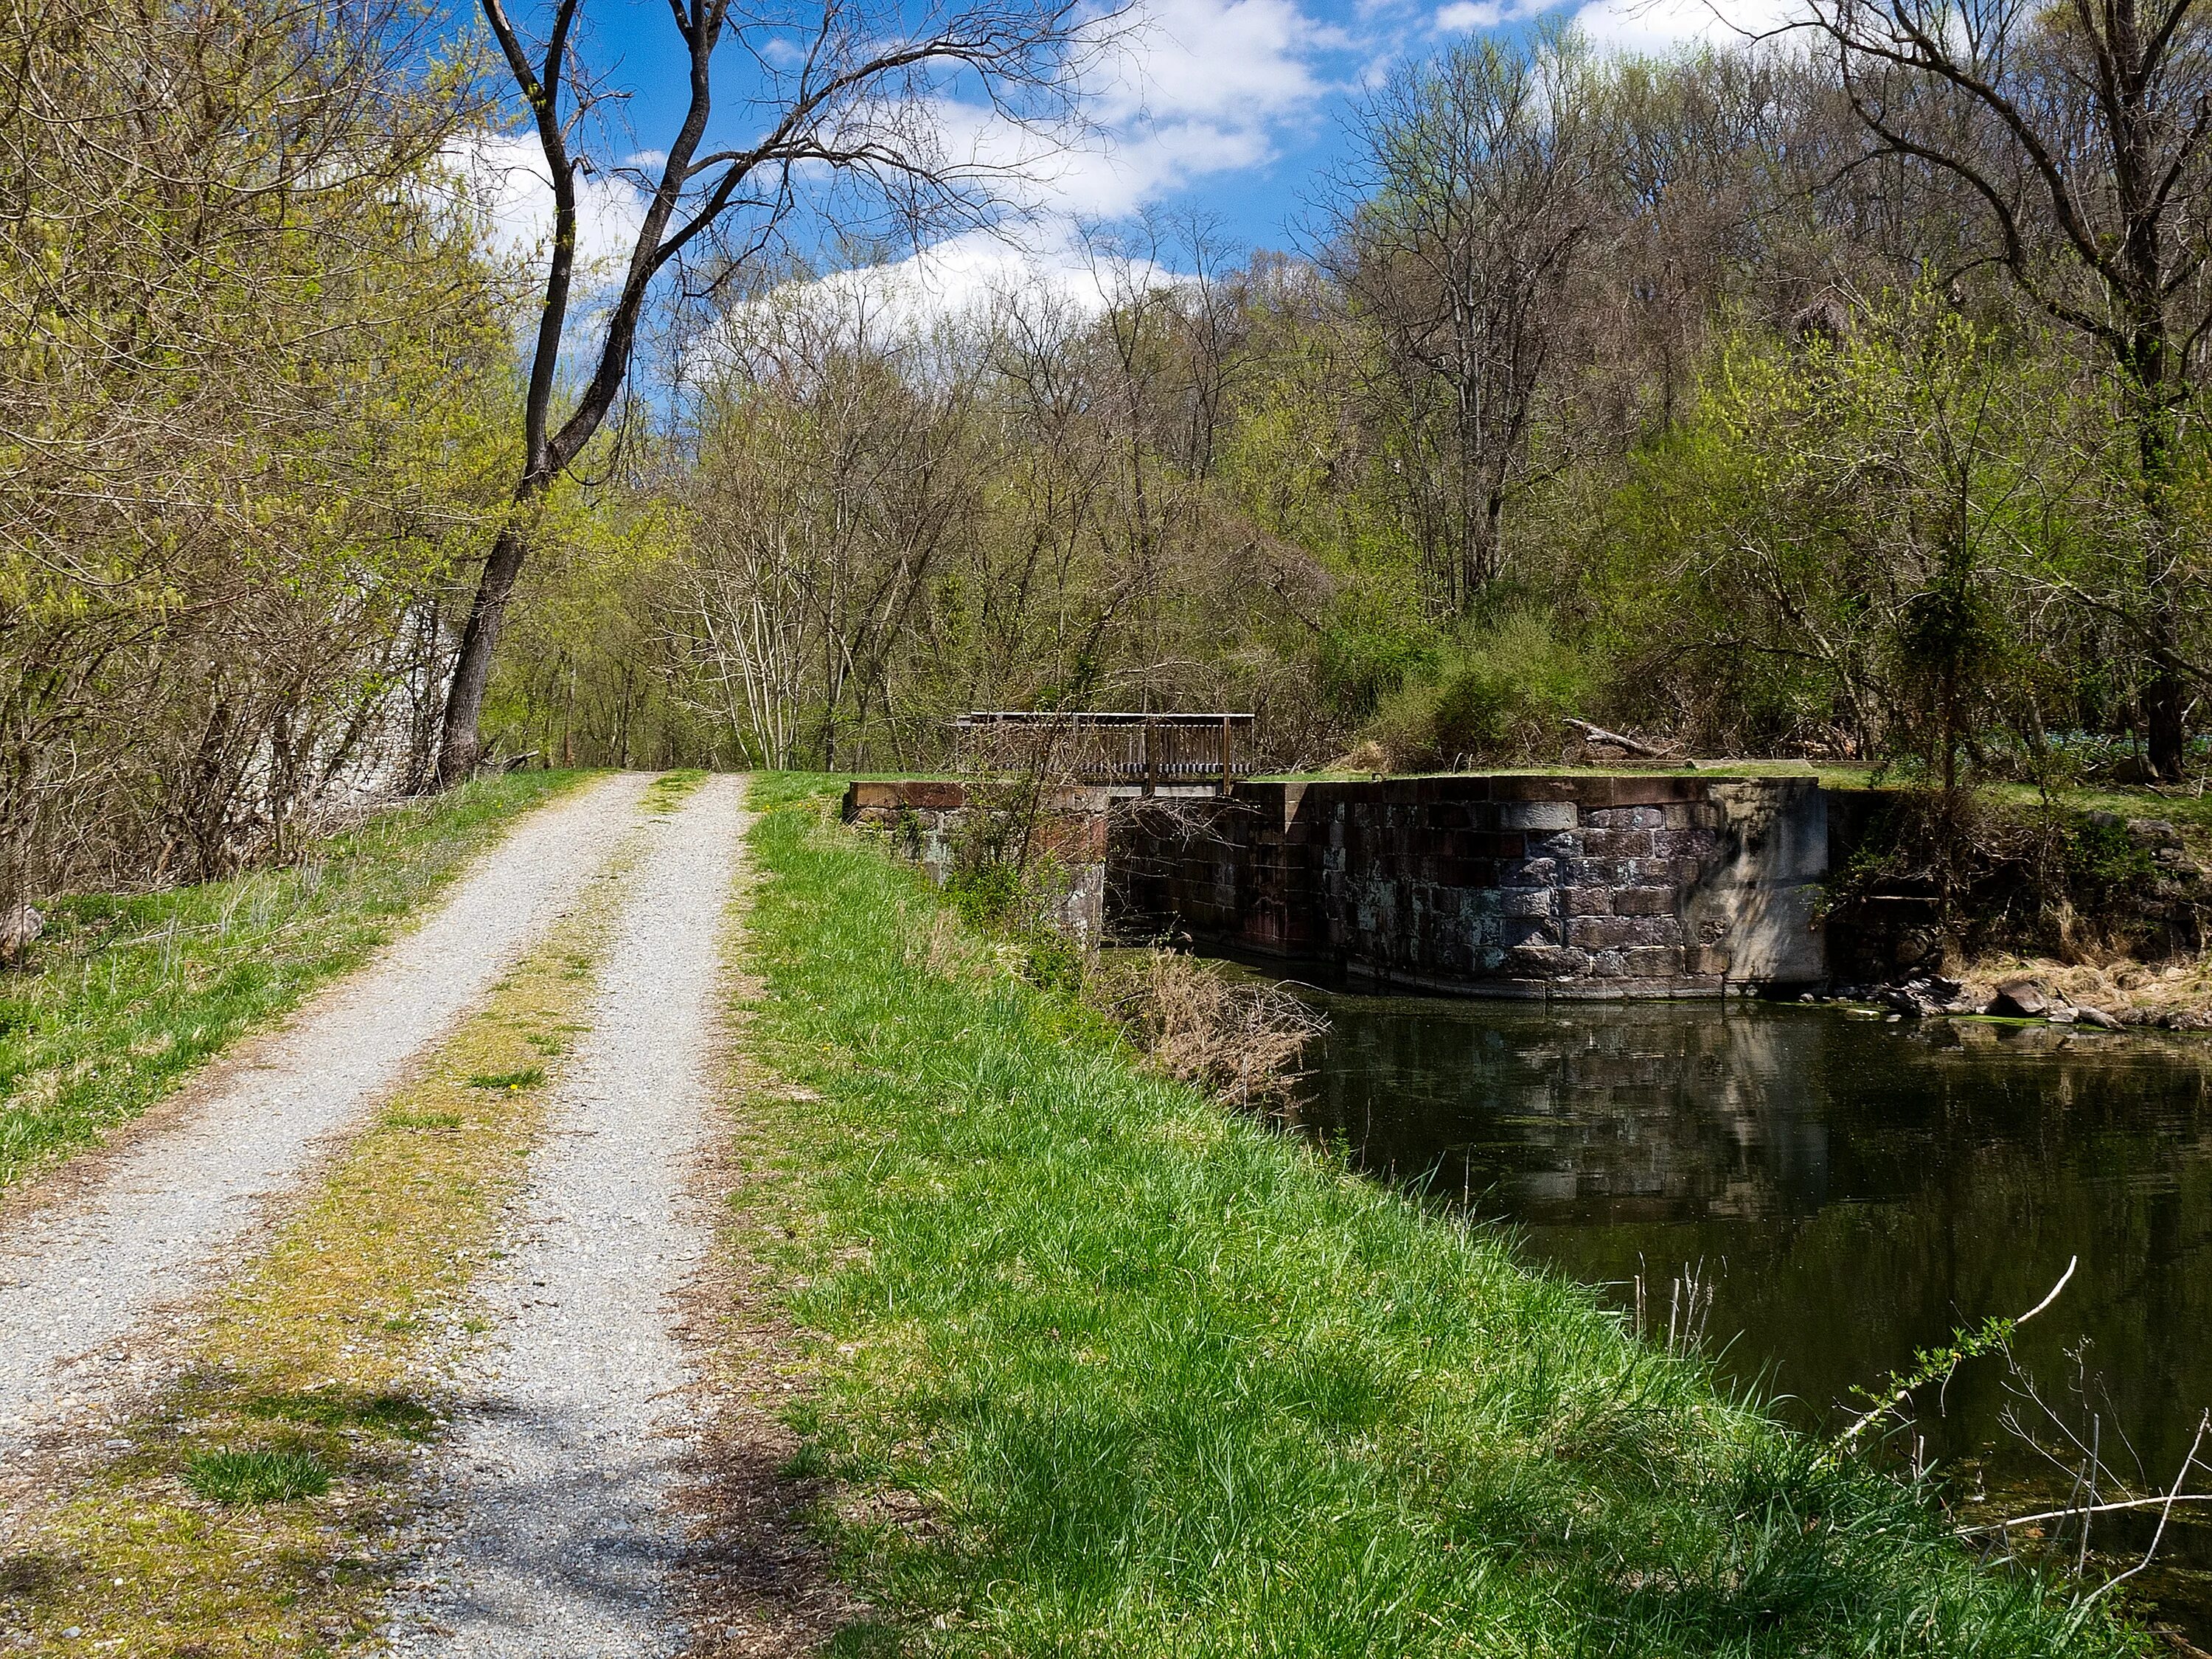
<point>1482,189</point>
<point>2085,130</point>
<point>845,95</point>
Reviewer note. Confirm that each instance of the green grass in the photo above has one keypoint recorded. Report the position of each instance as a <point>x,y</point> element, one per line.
<point>1106,1369</point>
<point>528,1077</point>
<point>128,992</point>
<point>255,1477</point>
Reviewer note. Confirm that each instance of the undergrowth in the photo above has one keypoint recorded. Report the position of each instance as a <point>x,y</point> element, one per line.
<point>1106,1369</point>
<point>127,993</point>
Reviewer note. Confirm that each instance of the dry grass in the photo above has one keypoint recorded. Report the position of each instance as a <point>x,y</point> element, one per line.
<point>322,1355</point>
<point>1239,1042</point>
<point>2134,992</point>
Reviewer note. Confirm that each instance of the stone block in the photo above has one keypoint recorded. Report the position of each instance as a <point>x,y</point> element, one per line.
<point>1609,965</point>
<point>1695,844</point>
<point>1545,961</point>
<point>924,795</point>
<point>1602,933</point>
<point>1564,845</point>
<point>1527,902</point>
<point>1644,817</point>
<point>1514,932</point>
<point>1589,900</point>
<point>1617,843</point>
<point>1651,930</point>
<point>1644,902</point>
<point>1653,962</point>
<point>1705,959</point>
<point>1528,872</point>
<point>1539,815</point>
<point>1595,872</point>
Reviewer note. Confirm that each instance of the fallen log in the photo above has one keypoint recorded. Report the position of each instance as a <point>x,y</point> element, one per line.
<point>1598,734</point>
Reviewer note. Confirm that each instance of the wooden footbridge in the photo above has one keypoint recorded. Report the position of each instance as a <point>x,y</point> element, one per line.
<point>1142,753</point>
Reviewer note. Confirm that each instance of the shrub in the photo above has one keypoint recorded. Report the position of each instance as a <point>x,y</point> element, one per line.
<point>1239,1042</point>
<point>1498,695</point>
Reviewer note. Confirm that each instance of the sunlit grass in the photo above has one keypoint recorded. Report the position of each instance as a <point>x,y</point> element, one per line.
<point>127,993</point>
<point>259,1476</point>
<point>1107,1370</point>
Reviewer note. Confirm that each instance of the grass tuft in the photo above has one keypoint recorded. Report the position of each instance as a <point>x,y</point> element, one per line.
<point>525,1077</point>
<point>401,1119</point>
<point>255,1477</point>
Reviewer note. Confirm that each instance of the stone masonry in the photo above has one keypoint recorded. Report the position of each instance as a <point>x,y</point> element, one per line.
<point>1575,886</point>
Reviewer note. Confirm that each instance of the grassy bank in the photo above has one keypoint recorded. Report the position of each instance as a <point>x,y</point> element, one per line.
<point>126,993</point>
<point>1108,1370</point>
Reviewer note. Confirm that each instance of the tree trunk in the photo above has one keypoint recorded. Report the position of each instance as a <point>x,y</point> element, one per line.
<point>2163,696</point>
<point>459,747</point>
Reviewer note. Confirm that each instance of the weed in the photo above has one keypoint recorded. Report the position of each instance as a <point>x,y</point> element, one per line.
<point>525,1077</point>
<point>255,1477</point>
<point>399,1120</point>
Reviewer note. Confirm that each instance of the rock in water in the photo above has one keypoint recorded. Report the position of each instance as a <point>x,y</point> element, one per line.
<point>2098,1018</point>
<point>2021,999</point>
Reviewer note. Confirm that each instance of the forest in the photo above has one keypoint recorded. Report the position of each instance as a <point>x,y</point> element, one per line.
<point>1835,395</point>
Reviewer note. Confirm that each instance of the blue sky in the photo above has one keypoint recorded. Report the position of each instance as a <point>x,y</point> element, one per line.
<point>1231,109</point>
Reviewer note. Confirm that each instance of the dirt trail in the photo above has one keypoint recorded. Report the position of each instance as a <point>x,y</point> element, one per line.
<point>558,1529</point>
<point>78,1276</point>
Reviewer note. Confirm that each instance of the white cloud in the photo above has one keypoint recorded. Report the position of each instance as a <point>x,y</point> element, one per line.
<point>507,177</point>
<point>1192,89</point>
<point>1468,14</point>
<point>1656,26</point>
<point>965,273</point>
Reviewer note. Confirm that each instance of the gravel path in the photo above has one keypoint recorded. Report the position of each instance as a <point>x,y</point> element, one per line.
<point>79,1275</point>
<point>557,1532</point>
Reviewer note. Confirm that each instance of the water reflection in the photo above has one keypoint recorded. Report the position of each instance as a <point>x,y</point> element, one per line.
<point>1854,1188</point>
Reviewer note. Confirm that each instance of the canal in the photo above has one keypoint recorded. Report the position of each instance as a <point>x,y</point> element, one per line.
<point>1817,1194</point>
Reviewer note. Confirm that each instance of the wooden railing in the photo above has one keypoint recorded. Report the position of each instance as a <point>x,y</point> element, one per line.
<point>1145,751</point>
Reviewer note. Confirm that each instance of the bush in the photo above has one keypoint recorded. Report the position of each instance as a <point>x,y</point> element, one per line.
<point>1498,695</point>
<point>1239,1042</point>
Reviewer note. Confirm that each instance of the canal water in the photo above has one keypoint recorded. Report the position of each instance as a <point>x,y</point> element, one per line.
<point>1843,1191</point>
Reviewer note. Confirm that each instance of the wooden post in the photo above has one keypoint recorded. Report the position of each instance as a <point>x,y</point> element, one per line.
<point>1152,760</point>
<point>1227,727</point>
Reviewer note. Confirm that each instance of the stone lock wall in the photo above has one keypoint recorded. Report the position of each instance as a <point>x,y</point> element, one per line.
<point>1575,886</point>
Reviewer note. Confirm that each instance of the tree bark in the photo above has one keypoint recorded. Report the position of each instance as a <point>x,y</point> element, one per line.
<point>459,747</point>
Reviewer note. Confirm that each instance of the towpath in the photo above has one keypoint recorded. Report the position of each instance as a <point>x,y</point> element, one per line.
<point>560,1533</point>
<point>80,1277</point>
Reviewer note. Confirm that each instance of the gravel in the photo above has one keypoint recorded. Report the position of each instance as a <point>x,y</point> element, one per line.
<point>157,1222</point>
<point>556,1531</point>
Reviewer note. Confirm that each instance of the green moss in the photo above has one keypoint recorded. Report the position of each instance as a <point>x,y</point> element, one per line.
<point>1108,1370</point>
